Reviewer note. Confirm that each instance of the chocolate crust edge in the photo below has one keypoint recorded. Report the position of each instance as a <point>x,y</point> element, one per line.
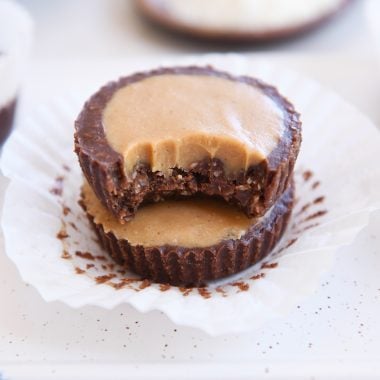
<point>181,266</point>
<point>254,191</point>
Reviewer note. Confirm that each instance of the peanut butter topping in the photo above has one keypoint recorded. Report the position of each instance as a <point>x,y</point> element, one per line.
<point>187,223</point>
<point>169,121</point>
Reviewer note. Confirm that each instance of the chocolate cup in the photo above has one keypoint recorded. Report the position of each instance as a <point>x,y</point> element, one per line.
<point>162,19</point>
<point>254,190</point>
<point>182,266</point>
<point>7,114</point>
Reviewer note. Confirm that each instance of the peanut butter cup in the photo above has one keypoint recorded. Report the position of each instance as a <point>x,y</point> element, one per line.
<point>184,131</point>
<point>191,241</point>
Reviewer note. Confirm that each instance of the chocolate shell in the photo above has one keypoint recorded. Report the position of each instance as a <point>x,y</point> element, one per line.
<point>254,190</point>
<point>182,266</point>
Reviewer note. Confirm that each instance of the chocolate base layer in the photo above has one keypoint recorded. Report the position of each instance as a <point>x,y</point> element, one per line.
<point>162,19</point>
<point>253,190</point>
<point>195,266</point>
<point>7,114</point>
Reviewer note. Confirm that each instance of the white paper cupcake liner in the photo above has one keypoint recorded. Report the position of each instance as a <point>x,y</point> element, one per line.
<point>339,149</point>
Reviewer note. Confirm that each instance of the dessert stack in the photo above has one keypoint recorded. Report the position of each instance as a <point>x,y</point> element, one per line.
<point>188,171</point>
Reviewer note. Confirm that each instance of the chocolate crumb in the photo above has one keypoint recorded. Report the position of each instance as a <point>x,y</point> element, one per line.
<point>104,267</point>
<point>66,255</point>
<point>79,270</point>
<point>307,175</point>
<point>85,255</point>
<point>315,185</point>
<point>105,278</point>
<point>89,266</point>
<point>66,168</point>
<point>269,265</point>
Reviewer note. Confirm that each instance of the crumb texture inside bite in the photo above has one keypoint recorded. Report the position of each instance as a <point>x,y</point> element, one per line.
<point>169,121</point>
<point>190,223</point>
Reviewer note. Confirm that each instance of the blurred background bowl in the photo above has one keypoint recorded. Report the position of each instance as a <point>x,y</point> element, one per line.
<point>241,20</point>
<point>16,31</point>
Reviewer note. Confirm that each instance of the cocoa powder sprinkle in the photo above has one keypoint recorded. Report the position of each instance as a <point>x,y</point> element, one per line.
<point>319,200</point>
<point>144,284</point>
<point>85,255</point>
<point>66,168</point>
<point>101,258</point>
<point>269,265</point>
<point>204,292</point>
<point>185,291</point>
<point>73,225</point>
<point>66,255</point>
<point>291,242</point>
<point>315,215</point>
<point>57,189</point>
<point>303,209</point>
<point>117,285</point>
<point>105,278</point>
<point>258,276</point>
<point>220,290</point>
<point>66,210</point>
<point>243,286</point>
<point>307,175</point>
<point>164,287</point>
<point>62,234</point>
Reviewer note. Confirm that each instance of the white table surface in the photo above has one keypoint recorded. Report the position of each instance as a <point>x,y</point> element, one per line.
<point>333,334</point>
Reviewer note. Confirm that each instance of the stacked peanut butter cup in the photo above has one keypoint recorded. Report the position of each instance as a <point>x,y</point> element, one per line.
<point>188,171</point>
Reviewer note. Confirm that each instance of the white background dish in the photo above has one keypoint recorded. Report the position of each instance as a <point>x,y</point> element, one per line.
<point>43,341</point>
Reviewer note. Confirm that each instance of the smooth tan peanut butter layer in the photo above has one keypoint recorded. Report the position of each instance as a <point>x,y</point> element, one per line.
<point>170,121</point>
<point>187,223</point>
